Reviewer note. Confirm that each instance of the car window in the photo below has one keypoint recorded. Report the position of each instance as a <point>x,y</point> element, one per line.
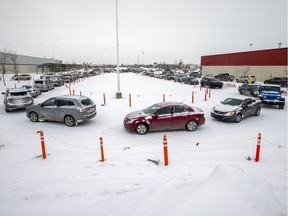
<point>49,103</point>
<point>164,111</point>
<point>70,103</point>
<point>179,109</point>
<point>61,103</point>
<point>18,93</point>
<point>86,102</point>
<point>247,101</point>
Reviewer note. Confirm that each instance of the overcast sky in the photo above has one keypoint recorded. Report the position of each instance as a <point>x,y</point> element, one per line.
<point>149,30</point>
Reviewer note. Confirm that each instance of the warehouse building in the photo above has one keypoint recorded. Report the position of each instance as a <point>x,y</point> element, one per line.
<point>28,64</point>
<point>262,63</point>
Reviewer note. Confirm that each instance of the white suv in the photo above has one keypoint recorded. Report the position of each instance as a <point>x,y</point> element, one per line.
<point>246,79</point>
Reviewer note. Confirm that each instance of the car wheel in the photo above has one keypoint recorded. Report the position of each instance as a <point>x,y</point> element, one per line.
<point>191,125</point>
<point>7,110</point>
<point>237,80</point>
<point>34,117</point>
<point>69,121</point>
<point>240,91</point>
<point>257,113</point>
<point>281,106</point>
<point>142,129</point>
<point>238,118</point>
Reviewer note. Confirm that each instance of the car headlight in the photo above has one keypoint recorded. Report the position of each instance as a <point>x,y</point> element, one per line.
<point>229,113</point>
<point>213,109</point>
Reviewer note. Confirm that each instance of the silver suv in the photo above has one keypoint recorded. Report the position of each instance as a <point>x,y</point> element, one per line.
<point>68,109</point>
<point>44,84</point>
<point>17,98</point>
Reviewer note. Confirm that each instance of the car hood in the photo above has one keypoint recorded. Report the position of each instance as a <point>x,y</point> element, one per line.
<point>225,108</point>
<point>136,114</point>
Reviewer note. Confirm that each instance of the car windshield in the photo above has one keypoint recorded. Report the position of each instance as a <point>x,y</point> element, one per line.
<point>213,79</point>
<point>151,109</point>
<point>232,102</point>
<point>254,87</point>
<point>270,88</point>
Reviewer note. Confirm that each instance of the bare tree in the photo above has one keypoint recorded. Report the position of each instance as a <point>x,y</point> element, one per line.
<point>13,59</point>
<point>4,59</point>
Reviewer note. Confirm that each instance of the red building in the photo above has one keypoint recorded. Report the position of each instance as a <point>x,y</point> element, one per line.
<point>261,63</point>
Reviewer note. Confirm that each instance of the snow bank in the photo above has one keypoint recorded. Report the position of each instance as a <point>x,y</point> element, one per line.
<point>228,191</point>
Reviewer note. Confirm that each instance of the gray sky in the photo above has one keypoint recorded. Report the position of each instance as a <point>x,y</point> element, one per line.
<point>149,30</point>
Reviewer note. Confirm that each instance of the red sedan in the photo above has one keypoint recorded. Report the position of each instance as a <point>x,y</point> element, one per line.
<point>165,116</point>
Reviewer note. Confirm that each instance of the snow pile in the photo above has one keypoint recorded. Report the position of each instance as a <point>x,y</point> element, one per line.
<point>228,191</point>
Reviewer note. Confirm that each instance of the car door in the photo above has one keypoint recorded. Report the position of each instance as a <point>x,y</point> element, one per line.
<point>179,117</point>
<point>47,108</point>
<point>60,110</point>
<point>247,107</point>
<point>161,119</point>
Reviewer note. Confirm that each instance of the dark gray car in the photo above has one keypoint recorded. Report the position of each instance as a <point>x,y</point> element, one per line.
<point>68,109</point>
<point>234,109</point>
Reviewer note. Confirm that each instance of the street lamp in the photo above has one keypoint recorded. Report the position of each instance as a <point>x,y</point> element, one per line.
<point>118,93</point>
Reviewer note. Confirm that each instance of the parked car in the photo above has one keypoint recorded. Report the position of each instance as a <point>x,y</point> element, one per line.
<point>282,81</point>
<point>67,78</point>
<point>21,77</point>
<point>271,94</point>
<point>191,81</point>
<point>44,84</point>
<point>164,116</point>
<point>17,98</point>
<point>56,80</point>
<point>246,79</point>
<point>249,89</point>
<point>68,109</point>
<point>211,82</point>
<point>34,90</point>
<point>225,77</point>
<point>234,109</point>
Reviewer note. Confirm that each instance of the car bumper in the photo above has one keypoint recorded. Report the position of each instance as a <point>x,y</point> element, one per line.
<point>11,107</point>
<point>273,102</point>
<point>223,117</point>
<point>86,117</point>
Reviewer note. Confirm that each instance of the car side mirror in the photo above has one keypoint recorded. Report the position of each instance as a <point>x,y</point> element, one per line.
<point>154,115</point>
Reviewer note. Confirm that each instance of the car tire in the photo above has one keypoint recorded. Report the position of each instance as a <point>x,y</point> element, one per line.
<point>69,121</point>
<point>281,106</point>
<point>191,125</point>
<point>34,117</point>
<point>141,129</point>
<point>257,113</point>
<point>238,118</point>
<point>240,92</point>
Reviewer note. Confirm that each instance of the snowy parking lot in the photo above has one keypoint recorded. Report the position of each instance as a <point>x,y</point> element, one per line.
<point>208,171</point>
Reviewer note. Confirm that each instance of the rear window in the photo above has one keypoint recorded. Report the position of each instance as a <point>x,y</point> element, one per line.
<point>86,102</point>
<point>24,93</point>
<point>39,82</point>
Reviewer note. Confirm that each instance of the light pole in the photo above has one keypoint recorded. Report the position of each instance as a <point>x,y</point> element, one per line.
<point>118,93</point>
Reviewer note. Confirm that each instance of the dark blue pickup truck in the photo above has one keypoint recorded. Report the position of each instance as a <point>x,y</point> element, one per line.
<point>271,94</point>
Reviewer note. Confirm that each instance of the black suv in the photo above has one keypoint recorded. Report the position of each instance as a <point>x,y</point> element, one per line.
<point>211,82</point>
<point>225,77</point>
<point>282,81</point>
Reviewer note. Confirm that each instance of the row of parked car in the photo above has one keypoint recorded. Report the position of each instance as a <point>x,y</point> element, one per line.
<point>160,116</point>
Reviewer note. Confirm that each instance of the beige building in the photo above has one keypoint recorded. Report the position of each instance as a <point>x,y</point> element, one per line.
<point>28,64</point>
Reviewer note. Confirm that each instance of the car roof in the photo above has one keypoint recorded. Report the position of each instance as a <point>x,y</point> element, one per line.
<point>163,104</point>
<point>270,85</point>
<point>77,97</point>
<point>20,89</point>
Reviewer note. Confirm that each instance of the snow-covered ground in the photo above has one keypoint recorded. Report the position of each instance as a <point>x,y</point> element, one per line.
<point>208,173</point>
